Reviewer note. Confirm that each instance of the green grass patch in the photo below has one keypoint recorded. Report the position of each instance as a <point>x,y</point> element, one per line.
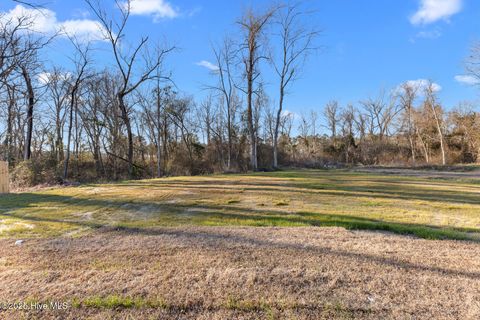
<point>119,302</point>
<point>419,206</point>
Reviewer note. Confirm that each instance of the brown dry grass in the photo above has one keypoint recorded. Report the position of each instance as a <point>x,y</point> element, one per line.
<point>244,273</point>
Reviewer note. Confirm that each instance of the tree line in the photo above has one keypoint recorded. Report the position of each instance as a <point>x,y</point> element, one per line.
<point>79,122</point>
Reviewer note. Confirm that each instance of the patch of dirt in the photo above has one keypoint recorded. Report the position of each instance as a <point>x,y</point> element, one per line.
<point>246,273</point>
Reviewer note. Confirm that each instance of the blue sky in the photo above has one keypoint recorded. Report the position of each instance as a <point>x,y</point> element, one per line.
<point>368,44</point>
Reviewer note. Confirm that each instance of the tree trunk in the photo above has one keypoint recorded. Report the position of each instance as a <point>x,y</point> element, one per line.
<point>69,135</point>
<point>412,148</point>
<point>128,126</point>
<point>159,135</point>
<point>251,129</point>
<point>27,153</point>
<point>59,140</point>
<point>440,135</point>
<point>9,135</point>
<point>410,135</point>
<point>425,149</point>
<point>229,125</point>
<point>165,144</point>
<point>277,126</point>
<point>78,133</point>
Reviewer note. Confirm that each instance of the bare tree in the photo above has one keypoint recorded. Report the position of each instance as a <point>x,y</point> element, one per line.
<point>91,118</point>
<point>381,113</point>
<point>253,25</point>
<point>297,42</point>
<point>154,108</point>
<point>407,98</point>
<point>423,130</point>
<point>27,153</point>
<point>16,43</point>
<point>472,64</point>
<point>431,103</point>
<point>81,63</point>
<point>19,47</point>
<point>9,135</point>
<point>179,112</point>
<point>58,94</point>
<point>224,57</point>
<point>348,119</point>
<point>360,121</point>
<point>332,115</point>
<point>206,116</point>
<point>260,104</point>
<point>127,62</point>
<point>304,128</point>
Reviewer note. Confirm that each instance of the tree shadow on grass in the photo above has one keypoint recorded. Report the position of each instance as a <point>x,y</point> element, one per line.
<point>213,237</point>
<point>269,218</point>
<point>227,216</point>
<point>200,214</point>
<point>372,189</point>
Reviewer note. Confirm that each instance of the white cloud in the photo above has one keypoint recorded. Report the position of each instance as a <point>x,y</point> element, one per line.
<point>159,9</point>
<point>44,77</point>
<point>83,29</point>
<point>419,85</point>
<point>433,10</point>
<point>45,21</point>
<point>206,64</point>
<point>422,84</point>
<point>468,80</point>
<point>42,20</point>
<point>288,113</point>
<point>433,34</point>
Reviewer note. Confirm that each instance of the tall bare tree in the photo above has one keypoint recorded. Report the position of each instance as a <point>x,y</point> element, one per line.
<point>27,153</point>
<point>432,104</point>
<point>381,113</point>
<point>127,62</point>
<point>407,98</point>
<point>253,25</point>
<point>296,43</point>
<point>332,115</point>
<point>224,58</point>
<point>58,95</point>
<point>81,64</point>
<point>19,47</point>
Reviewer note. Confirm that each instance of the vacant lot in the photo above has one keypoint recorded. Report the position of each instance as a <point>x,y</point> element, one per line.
<point>147,249</point>
<point>430,206</point>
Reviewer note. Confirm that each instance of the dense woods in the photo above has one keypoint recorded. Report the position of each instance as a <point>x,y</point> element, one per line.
<point>131,120</point>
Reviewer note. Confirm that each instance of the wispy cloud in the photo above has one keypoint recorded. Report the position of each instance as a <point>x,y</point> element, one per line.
<point>207,64</point>
<point>433,10</point>
<point>45,21</point>
<point>419,85</point>
<point>158,9</point>
<point>468,80</point>
<point>426,34</point>
<point>432,34</point>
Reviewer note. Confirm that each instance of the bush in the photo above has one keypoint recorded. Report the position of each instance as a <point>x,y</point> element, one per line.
<point>23,175</point>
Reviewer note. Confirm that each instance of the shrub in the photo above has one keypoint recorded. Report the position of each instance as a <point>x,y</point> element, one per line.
<point>23,175</point>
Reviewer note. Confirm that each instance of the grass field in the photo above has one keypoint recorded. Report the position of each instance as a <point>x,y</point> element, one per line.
<point>246,247</point>
<point>426,207</point>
